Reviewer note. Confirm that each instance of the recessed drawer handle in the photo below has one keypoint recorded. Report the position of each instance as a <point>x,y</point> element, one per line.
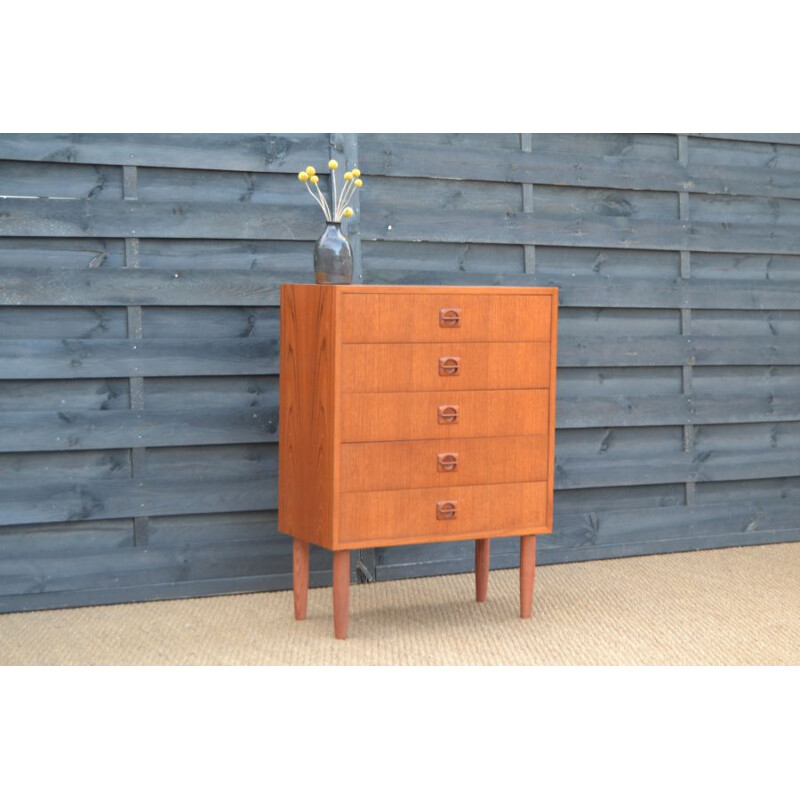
<point>448,415</point>
<point>450,317</point>
<point>446,509</point>
<point>447,462</point>
<point>449,366</point>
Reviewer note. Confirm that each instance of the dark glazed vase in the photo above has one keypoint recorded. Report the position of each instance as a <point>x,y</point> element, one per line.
<point>333,258</point>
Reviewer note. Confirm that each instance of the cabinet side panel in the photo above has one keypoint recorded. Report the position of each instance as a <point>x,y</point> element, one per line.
<point>552,421</point>
<point>306,445</point>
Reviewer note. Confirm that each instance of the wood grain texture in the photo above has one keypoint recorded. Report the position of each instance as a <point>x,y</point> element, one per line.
<point>408,516</point>
<point>413,315</point>
<point>609,292</point>
<point>300,575</point>
<point>482,550</point>
<point>371,416</point>
<point>527,571</point>
<point>175,286</point>
<point>416,367</point>
<point>595,230</point>
<point>373,466</point>
<point>23,431</point>
<point>551,426</point>
<point>273,152</point>
<point>90,358</point>
<point>307,402</point>
<point>384,155</point>
<point>341,593</point>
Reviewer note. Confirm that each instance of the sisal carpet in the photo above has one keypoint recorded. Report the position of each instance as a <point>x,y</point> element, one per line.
<point>732,606</point>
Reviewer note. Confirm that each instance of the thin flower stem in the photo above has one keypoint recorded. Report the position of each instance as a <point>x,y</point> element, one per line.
<point>325,205</point>
<point>343,200</point>
<point>347,196</point>
<point>317,200</point>
<point>335,204</point>
<point>342,196</point>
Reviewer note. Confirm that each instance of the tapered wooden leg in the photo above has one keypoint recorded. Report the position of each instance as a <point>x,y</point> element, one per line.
<point>341,592</point>
<point>300,571</point>
<point>527,567</point>
<point>481,569</point>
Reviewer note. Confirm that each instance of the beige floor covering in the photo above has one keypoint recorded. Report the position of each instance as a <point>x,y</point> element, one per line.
<point>733,606</point>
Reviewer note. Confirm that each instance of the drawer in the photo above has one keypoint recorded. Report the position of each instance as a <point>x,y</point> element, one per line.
<point>446,317</point>
<point>431,513</point>
<point>372,466</point>
<point>374,417</point>
<point>423,367</point>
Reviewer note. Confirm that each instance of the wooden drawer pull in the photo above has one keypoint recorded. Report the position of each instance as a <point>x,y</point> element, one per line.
<point>446,509</point>
<point>451,365</point>
<point>448,415</point>
<point>447,462</point>
<point>450,317</point>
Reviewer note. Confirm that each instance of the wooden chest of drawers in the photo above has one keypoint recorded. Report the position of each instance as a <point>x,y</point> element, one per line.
<point>415,414</point>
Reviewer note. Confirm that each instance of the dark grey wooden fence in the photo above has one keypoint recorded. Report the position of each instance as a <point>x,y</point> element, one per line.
<point>139,281</point>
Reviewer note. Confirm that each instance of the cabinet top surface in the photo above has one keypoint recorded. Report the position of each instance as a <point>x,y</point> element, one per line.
<point>428,289</point>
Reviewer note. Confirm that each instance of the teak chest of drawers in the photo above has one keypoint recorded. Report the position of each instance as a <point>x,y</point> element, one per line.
<point>415,414</point>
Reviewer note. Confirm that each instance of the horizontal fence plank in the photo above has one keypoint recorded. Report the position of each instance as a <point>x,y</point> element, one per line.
<point>257,152</point>
<point>217,254</point>
<point>96,358</point>
<point>441,225</point>
<point>192,287</point>
<point>701,466</point>
<point>137,566</point>
<point>24,179</point>
<point>38,502</point>
<point>84,395</point>
<point>129,218</point>
<point>145,287</point>
<point>608,293</point>
<point>633,351</point>
<point>768,138</point>
<point>94,430</point>
<point>386,155</point>
<point>50,322</point>
<point>301,222</point>
<point>65,539</point>
<point>622,410</point>
<point>158,322</point>
<point>75,466</point>
<point>271,581</point>
<point>612,526</point>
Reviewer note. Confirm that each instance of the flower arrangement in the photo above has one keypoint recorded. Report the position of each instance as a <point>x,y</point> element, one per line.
<point>352,181</point>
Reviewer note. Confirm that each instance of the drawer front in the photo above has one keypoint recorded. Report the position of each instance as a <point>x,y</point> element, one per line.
<point>448,511</point>
<point>446,317</point>
<point>372,466</point>
<point>375,417</point>
<point>424,367</point>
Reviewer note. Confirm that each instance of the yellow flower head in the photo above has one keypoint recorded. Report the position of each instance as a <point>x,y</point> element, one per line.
<point>348,212</point>
<point>333,164</point>
<point>303,176</point>
<point>356,173</point>
<point>314,179</point>
<point>348,176</point>
<point>359,182</point>
<point>310,171</point>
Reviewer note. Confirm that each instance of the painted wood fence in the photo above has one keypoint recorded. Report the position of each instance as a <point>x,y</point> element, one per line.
<point>139,280</point>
